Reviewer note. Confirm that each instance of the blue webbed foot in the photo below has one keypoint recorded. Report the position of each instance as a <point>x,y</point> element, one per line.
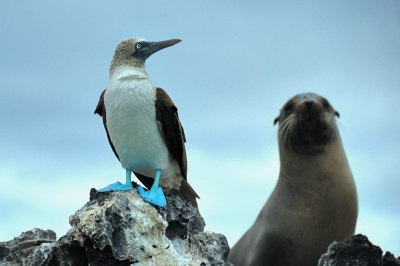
<point>116,186</point>
<point>155,195</point>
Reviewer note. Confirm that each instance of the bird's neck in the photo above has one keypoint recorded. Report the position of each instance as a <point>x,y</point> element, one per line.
<point>128,72</point>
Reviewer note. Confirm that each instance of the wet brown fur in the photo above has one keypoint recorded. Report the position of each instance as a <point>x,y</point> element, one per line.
<point>314,202</point>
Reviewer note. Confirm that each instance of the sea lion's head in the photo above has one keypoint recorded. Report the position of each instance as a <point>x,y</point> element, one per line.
<point>307,123</point>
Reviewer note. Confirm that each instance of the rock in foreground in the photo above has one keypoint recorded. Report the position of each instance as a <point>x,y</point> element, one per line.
<point>356,251</point>
<point>120,228</point>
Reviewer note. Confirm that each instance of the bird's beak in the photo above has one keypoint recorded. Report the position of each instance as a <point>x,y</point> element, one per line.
<point>157,46</point>
<point>153,47</point>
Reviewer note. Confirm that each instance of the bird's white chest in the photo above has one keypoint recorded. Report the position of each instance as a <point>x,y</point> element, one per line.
<point>132,125</point>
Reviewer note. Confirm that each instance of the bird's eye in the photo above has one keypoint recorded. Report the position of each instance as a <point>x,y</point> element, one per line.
<point>138,46</point>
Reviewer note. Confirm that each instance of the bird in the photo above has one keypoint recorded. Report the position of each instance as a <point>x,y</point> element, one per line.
<point>142,125</point>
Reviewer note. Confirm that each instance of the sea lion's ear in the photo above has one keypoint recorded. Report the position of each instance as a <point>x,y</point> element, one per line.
<point>276,120</point>
<point>337,114</point>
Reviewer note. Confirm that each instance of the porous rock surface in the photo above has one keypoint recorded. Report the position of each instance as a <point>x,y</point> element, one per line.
<point>40,247</point>
<point>120,228</point>
<point>356,251</point>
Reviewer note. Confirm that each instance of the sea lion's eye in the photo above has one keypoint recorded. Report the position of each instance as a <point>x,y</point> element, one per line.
<point>138,46</point>
<point>288,107</point>
<point>325,104</point>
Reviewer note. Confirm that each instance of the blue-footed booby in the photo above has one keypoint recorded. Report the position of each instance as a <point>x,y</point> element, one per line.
<point>143,126</point>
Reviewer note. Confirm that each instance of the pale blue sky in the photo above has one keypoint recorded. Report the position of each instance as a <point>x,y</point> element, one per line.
<point>237,64</point>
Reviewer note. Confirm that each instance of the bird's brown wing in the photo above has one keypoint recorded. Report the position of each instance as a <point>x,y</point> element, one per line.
<point>174,136</point>
<point>101,111</point>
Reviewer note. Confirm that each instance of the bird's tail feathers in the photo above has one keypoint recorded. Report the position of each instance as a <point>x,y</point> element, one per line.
<point>188,193</point>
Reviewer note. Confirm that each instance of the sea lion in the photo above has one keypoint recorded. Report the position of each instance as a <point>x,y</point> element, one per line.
<point>314,202</point>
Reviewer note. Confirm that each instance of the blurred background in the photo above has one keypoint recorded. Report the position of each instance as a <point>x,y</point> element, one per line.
<point>237,64</point>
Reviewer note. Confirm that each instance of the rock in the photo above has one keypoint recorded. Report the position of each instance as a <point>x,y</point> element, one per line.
<point>34,247</point>
<point>389,260</point>
<point>356,251</point>
<point>69,251</point>
<point>120,228</point>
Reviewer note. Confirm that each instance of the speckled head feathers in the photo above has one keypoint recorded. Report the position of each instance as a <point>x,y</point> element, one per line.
<point>123,55</point>
<point>133,52</point>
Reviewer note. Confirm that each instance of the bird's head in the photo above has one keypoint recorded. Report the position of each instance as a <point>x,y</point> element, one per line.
<point>134,52</point>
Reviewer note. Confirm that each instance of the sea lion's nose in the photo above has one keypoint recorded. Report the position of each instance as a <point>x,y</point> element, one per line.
<point>309,104</point>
